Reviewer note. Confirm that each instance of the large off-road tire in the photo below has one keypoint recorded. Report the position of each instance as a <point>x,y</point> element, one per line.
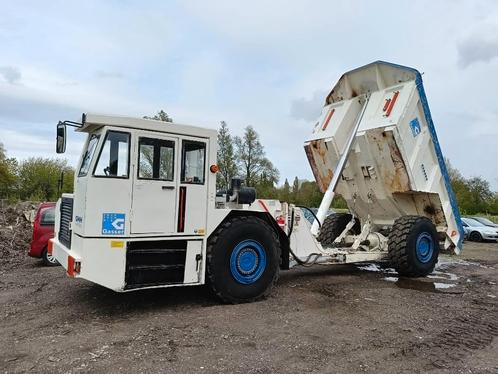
<point>413,246</point>
<point>243,257</point>
<point>49,260</point>
<point>334,225</point>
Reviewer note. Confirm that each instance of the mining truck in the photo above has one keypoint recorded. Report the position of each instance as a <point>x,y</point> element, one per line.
<point>145,212</point>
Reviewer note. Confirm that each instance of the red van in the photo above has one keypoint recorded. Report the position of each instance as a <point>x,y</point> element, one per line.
<point>43,230</point>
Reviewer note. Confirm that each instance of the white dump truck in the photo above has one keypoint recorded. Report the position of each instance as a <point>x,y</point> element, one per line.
<point>145,212</point>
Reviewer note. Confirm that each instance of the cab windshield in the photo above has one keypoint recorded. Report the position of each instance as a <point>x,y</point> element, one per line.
<point>88,155</point>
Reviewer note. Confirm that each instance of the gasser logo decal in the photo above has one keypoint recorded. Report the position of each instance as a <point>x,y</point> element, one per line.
<point>113,223</point>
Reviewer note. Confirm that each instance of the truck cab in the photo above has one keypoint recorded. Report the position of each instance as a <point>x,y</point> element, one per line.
<point>144,179</point>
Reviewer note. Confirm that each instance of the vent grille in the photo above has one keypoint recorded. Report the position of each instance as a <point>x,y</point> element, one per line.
<point>153,263</point>
<point>66,218</point>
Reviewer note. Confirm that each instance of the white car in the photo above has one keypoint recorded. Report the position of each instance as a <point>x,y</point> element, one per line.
<point>476,231</point>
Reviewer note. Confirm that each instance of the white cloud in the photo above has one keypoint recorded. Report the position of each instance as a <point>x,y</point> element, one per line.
<point>308,109</point>
<point>10,74</point>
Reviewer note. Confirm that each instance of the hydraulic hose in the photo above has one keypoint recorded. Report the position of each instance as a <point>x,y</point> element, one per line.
<point>308,261</point>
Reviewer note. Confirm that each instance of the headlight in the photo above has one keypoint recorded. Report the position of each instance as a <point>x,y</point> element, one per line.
<point>487,232</point>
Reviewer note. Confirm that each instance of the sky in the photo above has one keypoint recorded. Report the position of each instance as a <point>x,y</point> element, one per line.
<point>260,63</point>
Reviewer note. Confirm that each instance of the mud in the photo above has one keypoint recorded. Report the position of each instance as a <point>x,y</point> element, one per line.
<point>340,319</point>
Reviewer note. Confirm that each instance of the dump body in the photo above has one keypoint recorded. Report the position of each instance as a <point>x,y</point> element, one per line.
<point>395,166</point>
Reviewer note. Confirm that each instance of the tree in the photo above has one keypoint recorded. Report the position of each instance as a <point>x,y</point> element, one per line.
<point>309,194</point>
<point>474,195</point>
<point>480,194</point>
<point>252,160</point>
<point>226,158</point>
<point>39,178</point>
<point>295,190</point>
<point>8,174</point>
<point>160,116</point>
<point>284,194</point>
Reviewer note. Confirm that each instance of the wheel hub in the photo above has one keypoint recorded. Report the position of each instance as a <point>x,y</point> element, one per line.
<point>247,261</point>
<point>424,247</point>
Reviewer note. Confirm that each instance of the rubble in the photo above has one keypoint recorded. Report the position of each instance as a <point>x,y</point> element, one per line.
<point>16,230</point>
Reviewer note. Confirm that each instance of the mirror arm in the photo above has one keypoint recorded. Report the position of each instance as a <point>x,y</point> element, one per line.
<point>71,123</point>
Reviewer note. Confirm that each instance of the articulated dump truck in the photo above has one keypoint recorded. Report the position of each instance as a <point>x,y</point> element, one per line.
<point>145,212</point>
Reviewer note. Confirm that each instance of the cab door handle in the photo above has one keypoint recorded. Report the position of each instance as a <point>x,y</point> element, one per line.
<point>168,187</point>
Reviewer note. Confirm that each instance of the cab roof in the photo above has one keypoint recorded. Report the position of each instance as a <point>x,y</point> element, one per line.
<point>92,122</point>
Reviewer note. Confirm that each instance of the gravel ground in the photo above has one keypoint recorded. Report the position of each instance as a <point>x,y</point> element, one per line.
<point>338,319</point>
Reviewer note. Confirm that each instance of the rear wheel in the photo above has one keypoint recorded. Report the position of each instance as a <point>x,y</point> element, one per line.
<point>243,259</point>
<point>475,237</point>
<point>334,225</point>
<point>413,246</point>
<point>48,260</point>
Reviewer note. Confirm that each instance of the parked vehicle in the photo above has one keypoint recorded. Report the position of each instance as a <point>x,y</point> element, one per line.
<point>43,230</point>
<point>311,216</point>
<point>476,231</point>
<point>486,222</point>
<point>145,213</point>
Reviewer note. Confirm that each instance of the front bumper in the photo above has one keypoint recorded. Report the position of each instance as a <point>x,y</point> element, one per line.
<point>97,260</point>
<point>69,260</point>
<point>493,237</point>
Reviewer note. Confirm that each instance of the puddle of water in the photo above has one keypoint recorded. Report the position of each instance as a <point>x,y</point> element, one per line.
<point>419,284</point>
<point>442,275</point>
<point>446,261</point>
<point>370,267</point>
<point>442,286</point>
<point>431,283</point>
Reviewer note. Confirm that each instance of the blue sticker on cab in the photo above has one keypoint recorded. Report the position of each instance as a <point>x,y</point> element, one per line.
<point>113,223</point>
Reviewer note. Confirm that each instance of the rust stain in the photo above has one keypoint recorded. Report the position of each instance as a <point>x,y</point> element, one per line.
<point>321,148</point>
<point>317,153</point>
<point>400,181</point>
<point>326,180</point>
<point>314,169</point>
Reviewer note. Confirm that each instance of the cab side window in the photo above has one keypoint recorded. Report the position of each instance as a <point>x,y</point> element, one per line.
<point>156,159</point>
<point>114,160</point>
<point>193,162</point>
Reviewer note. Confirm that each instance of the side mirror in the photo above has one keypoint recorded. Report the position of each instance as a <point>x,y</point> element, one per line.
<point>61,138</point>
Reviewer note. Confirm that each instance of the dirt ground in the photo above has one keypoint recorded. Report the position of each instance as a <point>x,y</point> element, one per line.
<point>338,319</point>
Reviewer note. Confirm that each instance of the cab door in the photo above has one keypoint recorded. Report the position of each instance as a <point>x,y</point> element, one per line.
<point>193,196</point>
<point>155,188</point>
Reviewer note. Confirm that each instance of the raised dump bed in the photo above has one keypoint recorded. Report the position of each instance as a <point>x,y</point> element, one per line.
<point>395,167</point>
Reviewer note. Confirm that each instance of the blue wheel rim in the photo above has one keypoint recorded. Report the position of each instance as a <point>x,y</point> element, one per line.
<point>424,247</point>
<point>248,261</point>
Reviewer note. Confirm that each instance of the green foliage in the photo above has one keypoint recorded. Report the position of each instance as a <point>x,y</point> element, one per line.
<point>160,116</point>
<point>34,179</point>
<point>8,175</point>
<point>474,194</point>
<point>40,178</point>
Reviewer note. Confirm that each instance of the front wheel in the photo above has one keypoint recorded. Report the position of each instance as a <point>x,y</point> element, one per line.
<point>413,246</point>
<point>243,259</point>
<point>48,260</point>
<point>475,237</point>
